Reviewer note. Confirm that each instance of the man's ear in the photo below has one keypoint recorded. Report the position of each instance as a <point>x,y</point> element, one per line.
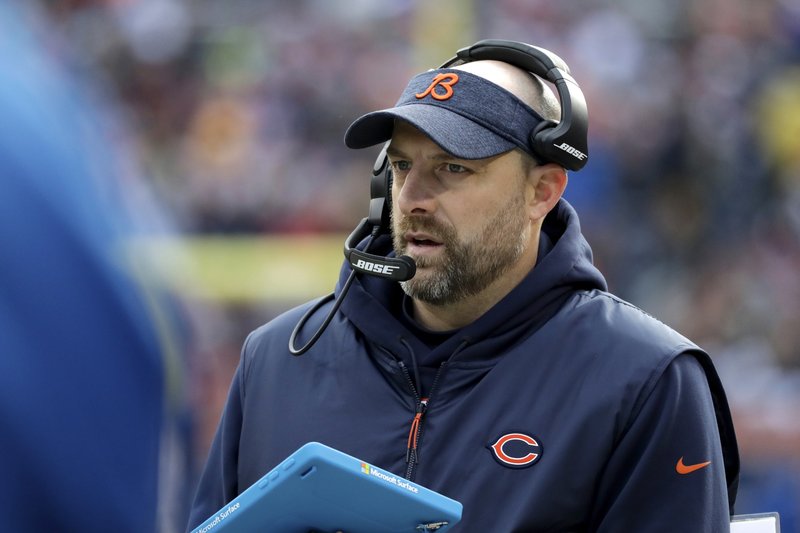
<point>548,182</point>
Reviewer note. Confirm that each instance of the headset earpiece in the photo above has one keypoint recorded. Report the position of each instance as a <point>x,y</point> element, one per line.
<point>380,192</point>
<point>538,135</point>
<point>387,205</point>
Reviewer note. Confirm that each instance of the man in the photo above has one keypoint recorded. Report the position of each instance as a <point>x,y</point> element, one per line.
<point>502,374</point>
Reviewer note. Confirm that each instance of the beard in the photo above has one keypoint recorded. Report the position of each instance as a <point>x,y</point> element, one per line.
<point>466,266</point>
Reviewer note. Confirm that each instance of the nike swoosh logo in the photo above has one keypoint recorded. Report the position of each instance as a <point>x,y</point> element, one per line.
<point>688,469</point>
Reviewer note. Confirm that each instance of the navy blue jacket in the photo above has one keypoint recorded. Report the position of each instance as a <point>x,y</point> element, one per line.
<point>563,408</point>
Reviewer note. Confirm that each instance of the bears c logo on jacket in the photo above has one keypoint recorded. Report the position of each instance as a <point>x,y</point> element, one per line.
<point>516,450</point>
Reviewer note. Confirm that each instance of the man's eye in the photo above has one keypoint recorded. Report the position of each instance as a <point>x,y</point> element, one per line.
<point>455,168</point>
<point>401,165</point>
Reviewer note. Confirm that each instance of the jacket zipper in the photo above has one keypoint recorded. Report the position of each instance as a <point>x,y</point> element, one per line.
<point>415,432</point>
<point>412,458</point>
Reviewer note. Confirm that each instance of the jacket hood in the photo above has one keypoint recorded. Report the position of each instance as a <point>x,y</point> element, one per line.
<point>564,266</point>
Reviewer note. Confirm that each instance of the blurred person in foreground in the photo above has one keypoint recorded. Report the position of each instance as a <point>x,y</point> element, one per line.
<point>82,365</point>
<point>502,374</point>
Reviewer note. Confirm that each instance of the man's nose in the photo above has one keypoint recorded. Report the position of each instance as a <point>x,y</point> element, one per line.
<point>416,193</point>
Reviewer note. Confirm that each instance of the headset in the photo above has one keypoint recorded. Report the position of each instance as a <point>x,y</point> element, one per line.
<point>564,142</point>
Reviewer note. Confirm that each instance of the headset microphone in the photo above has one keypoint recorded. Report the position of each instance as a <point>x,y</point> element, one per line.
<point>400,268</point>
<point>395,268</point>
<point>378,222</point>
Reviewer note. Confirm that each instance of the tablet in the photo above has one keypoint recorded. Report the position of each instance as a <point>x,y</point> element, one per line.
<point>323,490</point>
<point>756,523</point>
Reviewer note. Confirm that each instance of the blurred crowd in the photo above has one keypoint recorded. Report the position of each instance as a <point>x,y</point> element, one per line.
<point>691,197</point>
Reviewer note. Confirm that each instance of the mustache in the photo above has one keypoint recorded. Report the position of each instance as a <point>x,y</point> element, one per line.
<point>424,224</point>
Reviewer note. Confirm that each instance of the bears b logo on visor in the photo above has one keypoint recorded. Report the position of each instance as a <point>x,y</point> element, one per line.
<point>446,80</point>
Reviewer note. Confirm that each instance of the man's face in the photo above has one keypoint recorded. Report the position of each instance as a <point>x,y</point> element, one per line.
<point>464,222</point>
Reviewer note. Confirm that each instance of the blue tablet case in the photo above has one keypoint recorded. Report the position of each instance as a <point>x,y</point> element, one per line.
<point>323,490</point>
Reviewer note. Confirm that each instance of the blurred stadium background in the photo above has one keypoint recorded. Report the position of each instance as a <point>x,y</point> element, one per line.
<point>235,111</point>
